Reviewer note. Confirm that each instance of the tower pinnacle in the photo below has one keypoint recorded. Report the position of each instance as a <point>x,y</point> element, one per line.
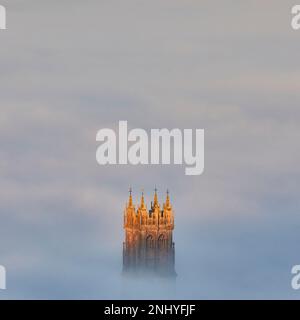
<point>142,200</point>
<point>130,197</point>
<point>155,198</point>
<point>168,199</point>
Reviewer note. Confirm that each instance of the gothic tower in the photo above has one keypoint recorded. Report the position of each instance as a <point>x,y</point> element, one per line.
<point>148,247</point>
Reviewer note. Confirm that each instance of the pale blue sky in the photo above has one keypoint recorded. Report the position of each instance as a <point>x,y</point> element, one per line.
<point>69,68</point>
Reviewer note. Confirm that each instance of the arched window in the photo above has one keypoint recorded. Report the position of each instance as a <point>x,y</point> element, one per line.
<point>162,241</point>
<point>150,241</point>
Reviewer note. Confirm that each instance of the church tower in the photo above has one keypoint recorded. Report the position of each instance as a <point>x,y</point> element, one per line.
<point>148,247</point>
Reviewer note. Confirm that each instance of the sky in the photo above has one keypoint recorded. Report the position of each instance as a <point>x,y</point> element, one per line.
<point>69,68</point>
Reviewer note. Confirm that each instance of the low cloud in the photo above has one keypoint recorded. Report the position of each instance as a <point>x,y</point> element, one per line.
<point>155,65</point>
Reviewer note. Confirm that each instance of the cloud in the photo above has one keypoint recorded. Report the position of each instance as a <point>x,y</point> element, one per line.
<point>70,68</point>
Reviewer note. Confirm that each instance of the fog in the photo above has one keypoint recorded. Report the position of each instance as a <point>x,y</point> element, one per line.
<point>70,68</point>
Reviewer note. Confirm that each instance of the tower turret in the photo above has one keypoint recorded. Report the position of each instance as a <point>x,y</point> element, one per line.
<point>129,215</point>
<point>168,204</point>
<point>168,212</point>
<point>130,198</point>
<point>155,210</point>
<point>142,211</point>
<point>155,201</point>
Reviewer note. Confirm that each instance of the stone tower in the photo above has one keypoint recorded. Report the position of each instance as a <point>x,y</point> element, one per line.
<point>148,247</point>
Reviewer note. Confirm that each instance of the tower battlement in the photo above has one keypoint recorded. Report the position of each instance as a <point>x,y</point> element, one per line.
<point>156,218</point>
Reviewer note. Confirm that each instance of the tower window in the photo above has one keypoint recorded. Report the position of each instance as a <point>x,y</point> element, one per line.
<point>150,242</point>
<point>162,242</point>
